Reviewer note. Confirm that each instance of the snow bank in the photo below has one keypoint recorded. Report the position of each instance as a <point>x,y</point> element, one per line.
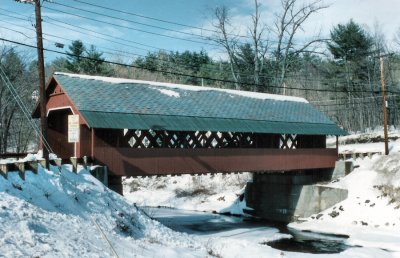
<point>369,216</point>
<point>54,214</point>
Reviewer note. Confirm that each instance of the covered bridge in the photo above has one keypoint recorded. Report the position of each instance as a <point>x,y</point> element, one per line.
<point>139,128</point>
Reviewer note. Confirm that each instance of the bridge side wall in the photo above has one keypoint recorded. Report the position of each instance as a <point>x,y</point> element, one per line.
<point>112,149</point>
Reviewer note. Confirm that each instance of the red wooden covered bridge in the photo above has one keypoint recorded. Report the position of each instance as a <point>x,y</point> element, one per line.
<point>138,128</point>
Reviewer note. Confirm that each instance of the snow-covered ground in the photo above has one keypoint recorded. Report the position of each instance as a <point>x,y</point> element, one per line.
<point>62,214</point>
<point>371,213</point>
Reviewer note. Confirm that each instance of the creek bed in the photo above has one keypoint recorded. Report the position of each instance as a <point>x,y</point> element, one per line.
<point>277,235</point>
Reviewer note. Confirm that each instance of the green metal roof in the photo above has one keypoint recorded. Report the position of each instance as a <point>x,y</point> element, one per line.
<point>113,103</point>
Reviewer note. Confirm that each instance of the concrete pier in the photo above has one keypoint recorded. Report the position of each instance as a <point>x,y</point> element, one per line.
<point>286,196</point>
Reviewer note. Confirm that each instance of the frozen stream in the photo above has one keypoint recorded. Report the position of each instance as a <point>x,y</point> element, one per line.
<point>210,225</point>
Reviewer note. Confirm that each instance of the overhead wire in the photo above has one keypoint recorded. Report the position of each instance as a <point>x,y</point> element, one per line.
<point>186,65</point>
<point>103,35</point>
<point>131,21</point>
<point>106,37</point>
<point>351,101</point>
<point>139,55</point>
<point>168,61</point>
<point>149,18</point>
<point>23,107</point>
<point>129,27</point>
<point>183,74</point>
<point>159,27</point>
<point>167,22</point>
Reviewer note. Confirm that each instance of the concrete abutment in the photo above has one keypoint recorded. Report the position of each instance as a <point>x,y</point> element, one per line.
<point>286,196</point>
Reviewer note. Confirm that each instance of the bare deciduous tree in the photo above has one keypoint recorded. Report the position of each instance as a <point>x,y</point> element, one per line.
<point>227,40</point>
<point>231,44</point>
<point>259,44</point>
<point>287,24</point>
<point>15,131</point>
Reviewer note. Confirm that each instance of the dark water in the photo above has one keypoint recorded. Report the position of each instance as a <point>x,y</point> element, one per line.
<point>308,242</point>
<point>203,224</point>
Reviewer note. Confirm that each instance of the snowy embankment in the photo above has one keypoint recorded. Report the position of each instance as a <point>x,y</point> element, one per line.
<point>62,214</point>
<point>370,215</point>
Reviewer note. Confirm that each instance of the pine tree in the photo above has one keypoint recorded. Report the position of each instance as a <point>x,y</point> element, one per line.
<point>350,42</point>
<point>75,56</point>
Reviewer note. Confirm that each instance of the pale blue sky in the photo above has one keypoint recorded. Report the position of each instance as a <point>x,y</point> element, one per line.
<point>126,41</point>
<point>130,40</point>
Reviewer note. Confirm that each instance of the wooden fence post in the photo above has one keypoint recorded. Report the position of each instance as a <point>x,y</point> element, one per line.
<point>3,170</point>
<point>74,162</point>
<point>21,169</point>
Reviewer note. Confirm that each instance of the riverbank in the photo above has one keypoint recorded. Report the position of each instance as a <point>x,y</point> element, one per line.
<point>370,216</point>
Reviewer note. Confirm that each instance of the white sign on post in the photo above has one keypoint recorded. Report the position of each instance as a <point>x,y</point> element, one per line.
<point>73,128</point>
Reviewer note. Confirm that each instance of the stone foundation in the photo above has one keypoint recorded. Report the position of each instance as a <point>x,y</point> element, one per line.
<point>285,196</point>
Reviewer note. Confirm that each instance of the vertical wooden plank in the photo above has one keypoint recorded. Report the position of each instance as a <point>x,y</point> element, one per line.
<point>42,163</point>
<point>3,170</point>
<point>21,169</point>
<point>32,166</point>
<point>74,163</point>
<point>56,162</point>
<point>85,162</point>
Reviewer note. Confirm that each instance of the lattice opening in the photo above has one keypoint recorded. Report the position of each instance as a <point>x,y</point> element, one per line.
<point>288,141</point>
<point>198,139</point>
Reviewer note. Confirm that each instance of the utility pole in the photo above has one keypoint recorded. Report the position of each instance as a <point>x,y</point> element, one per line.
<point>385,130</point>
<point>42,82</point>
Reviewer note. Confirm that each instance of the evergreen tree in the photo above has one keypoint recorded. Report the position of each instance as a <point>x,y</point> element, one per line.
<point>74,61</point>
<point>350,42</point>
<point>83,60</point>
<point>351,46</point>
<point>94,63</point>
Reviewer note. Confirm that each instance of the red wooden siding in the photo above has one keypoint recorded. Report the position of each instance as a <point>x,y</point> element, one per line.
<point>138,162</point>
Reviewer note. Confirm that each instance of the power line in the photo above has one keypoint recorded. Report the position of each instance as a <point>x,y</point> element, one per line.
<point>102,34</point>
<point>168,22</point>
<point>131,21</point>
<point>186,65</point>
<point>348,101</point>
<point>148,17</point>
<point>129,28</point>
<point>19,32</point>
<point>179,74</point>
<point>113,51</point>
<point>61,24</point>
<point>168,29</point>
<point>162,60</point>
<point>23,107</point>
<point>135,54</point>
